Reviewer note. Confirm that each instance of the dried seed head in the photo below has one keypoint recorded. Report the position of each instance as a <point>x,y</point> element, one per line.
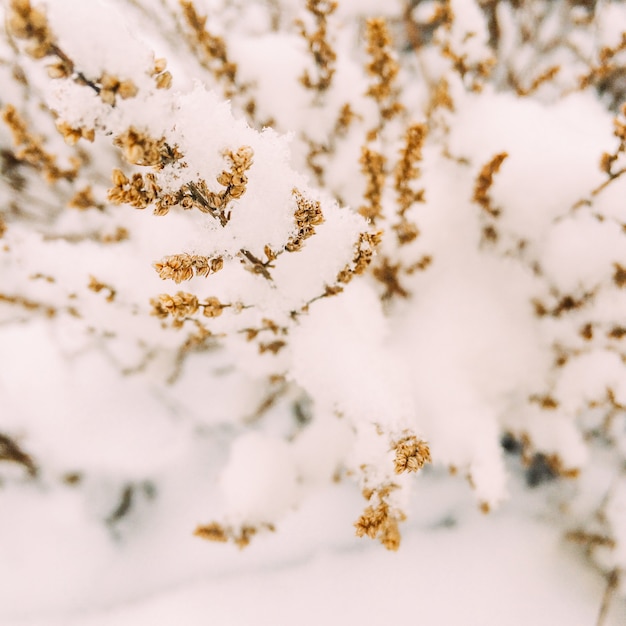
<point>319,45</point>
<point>383,68</point>
<point>159,65</point>
<point>217,264</point>
<point>83,199</point>
<point>139,148</point>
<point>411,454</point>
<point>484,183</point>
<point>180,267</point>
<point>127,89</point>
<point>164,81</point>
<point>178,306</point>
<point>379,521</point>
<point>308,215</point>
<point>119,179</point>
<point>210,49</point>
<point>373,167</point>
<point>212,307</point>
<point>25,22</point>
<point>59,69</point>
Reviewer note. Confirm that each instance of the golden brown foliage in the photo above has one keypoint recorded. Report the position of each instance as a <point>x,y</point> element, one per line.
<point>606,67</point>
<point>388,273</point>
<point>484,183</point>
<point>182,305</point>
<point>28,305</point>
<point>139,148</point>
<point>180,267</point>
<point>411,454</point>
<point>308,215</point>
<point>405,173</point>
<point>239,536</point>
<point>111,87</point>
<point>139,191</point>
<point>233,180</point>
<point>72,135</point>
<point>210,49</point>
<point>12,452</point>
<point>83,199</point>
<point>545,77</point>
<point>379,520</point>
<point>363,255</point>
<point>179,306</point>
<point>26,22</point>
<point>373,168</point>
<point>98,286</point>
<point>383,68</point>
<point>31,150</point>
<point>319,46</point>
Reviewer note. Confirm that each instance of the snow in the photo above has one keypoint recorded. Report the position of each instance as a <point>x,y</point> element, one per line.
<point>480,571</point>
<point>495,337</point>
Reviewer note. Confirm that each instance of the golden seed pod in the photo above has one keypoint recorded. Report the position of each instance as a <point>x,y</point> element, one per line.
<point>164,81</point>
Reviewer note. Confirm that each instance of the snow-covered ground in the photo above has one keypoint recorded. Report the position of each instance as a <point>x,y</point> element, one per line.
<point>456,566</point>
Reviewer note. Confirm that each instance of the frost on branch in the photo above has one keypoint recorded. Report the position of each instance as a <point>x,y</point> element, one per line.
<point>397,249</point>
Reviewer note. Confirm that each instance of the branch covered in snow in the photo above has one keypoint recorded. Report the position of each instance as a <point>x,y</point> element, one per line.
<point>354,245</point>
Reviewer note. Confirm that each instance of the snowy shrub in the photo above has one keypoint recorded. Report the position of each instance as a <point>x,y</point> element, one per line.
<point>344,239</point>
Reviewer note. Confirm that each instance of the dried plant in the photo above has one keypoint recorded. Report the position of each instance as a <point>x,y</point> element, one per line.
<point>380,520</point>
<point>411,454</point>
<point>211,49</point>
<point>308,215</point>
<point>383,68</point>
<point>319,46</point>
<point>181,267</point>
<point>295,298</point>
<point>31,149</point>
<point>484,183</point>
<point>406,172</point>
<point>373,166</point>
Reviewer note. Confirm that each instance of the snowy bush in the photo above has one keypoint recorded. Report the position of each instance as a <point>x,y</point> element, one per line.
<point>344,239</point>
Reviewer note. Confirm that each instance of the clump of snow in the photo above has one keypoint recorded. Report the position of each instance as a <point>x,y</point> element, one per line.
<point>259,481</point>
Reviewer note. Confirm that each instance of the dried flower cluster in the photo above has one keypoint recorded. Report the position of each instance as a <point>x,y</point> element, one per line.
<point>411,454</point>
<point>308,215</point>
<point>112,86</point>
<point>72,135</point>
<point>380,520</point>
<point>373,167</point>
<point>363,255</point>
<point>406,172</point>
<point>139,148</point>
<point>28,305</point>
<point>239,536</point>
<point>608,67</point>
<point>477,72</point>
<point>319,46</point>
<point>139,191</point>
<point>26,22</point>
<point>383,68</point>
<point>211,49</point>
<point>217,204</point>
<point>181,267</point>
<point>98,286</point>
<point>31,149</point>
<point>484,183</point>
<point>183,305</point>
